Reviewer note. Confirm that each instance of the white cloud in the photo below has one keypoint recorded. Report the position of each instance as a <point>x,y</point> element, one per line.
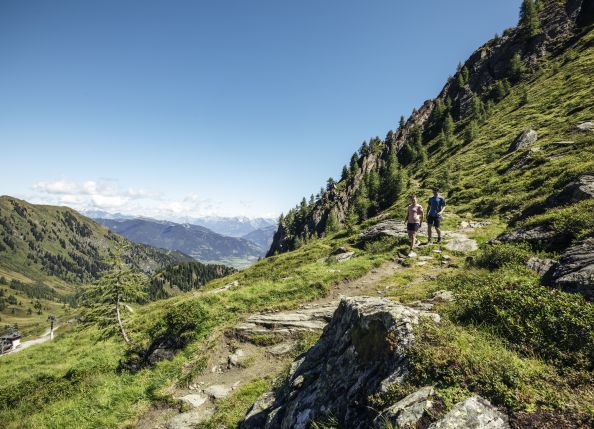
<point>108,195</point>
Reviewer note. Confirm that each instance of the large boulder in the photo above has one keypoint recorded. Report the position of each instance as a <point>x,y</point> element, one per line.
<point>360,353</point>
<point>575,270</point>
<point>525,138</point>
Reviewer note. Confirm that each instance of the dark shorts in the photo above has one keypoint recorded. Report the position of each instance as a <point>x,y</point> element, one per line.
<point>413,227</point>
<point>434,221</point>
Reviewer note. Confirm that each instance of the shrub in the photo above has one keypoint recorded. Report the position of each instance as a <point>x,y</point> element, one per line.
<point>183,323</point>
<point>500,255</point>
<point>534,319</point>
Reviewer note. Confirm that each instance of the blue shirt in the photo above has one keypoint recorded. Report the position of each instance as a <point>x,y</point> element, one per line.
<point>436,204</point>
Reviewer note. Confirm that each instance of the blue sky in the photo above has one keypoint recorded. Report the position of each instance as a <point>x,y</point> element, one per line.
<point>190,108</point>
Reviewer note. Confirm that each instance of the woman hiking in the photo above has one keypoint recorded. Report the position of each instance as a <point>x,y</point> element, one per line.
<point>414,219</point>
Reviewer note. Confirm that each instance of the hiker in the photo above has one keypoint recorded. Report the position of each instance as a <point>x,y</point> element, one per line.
<point>435,208</point>
<point>414,219</point>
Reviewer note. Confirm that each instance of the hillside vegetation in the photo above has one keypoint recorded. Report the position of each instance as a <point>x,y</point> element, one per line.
<point>509,334</point>
<point>46,252</point>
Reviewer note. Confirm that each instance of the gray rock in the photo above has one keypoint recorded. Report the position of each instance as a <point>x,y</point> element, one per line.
<point>578,190</point>
<point>540,266</point>
<point>342,257</point>
<point>361,352</point>
<point>473,413</point>
<point>236,358</point>
<point>287,323</point>
<point>281,349</point>
<point>409,411</point>
<point>461,243</point>
<point>195,400</point>
<point>190,419</point>
<point>525,138</point>
<point>585,127</point>
<point>575,270</point>
<point>387,228</point>
<point>536,235</point>
<point>217,391</point>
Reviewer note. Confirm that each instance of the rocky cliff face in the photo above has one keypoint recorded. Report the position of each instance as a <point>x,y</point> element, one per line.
<point>489,64</point>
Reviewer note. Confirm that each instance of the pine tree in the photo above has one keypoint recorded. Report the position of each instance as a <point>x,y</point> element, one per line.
<point>354,166</point>
<point>104,298</point>
<point>401,123</point>
<point>500,90</point>
<point>364,149</point>
<point>332,223</point>
<point>391,182</point>
<point>516,68</point>
<point>373,191</point>
<point>529,18</point>
<point>478,108</point>
<point>463,75</point>
<point>345,173</point>
<point>471,131</point>
<point>449,126</point>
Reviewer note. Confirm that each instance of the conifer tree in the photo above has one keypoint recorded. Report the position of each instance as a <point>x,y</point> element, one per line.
<point>516,68</point>
<point>391,182</point>
<point>529,18</point>
<point>104,298</point>
<point>330,184</point>
<point>332,223</point>
<point>345,173</point>
<point>364,149</point>
<point>401,123</point>
<point>471,131</point>
<point>354,166</point>
<point>478,108</point>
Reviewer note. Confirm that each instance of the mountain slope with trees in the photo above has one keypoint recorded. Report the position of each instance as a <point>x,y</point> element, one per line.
<point>514,333</point>
<point>197,241</point>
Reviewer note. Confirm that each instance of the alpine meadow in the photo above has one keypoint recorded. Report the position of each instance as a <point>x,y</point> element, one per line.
<point>356,308</point>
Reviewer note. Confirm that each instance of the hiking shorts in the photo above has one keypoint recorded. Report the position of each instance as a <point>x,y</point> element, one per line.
<point>434,220</point>
<point>413,227</point>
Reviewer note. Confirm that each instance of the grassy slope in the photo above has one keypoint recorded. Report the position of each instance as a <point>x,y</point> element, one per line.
<point>37,230</point>
<point>72,382</point>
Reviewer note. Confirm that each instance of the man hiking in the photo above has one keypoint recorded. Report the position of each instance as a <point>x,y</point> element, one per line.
<point>435,208</point>
<point>414,219</point>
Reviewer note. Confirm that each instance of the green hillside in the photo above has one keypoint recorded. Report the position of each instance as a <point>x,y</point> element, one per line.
<point>47,251</point>
<point>509,334</point>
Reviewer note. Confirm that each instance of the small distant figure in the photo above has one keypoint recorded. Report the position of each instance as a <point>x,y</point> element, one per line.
<point>435,208</point>
<point>414,219</point>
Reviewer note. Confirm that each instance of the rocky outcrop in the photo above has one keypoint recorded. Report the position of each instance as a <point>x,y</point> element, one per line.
<point>386,228</point>
<point>411,411</point>
<point>578,190</point>
<point>540,236</point>
<point>585,127</point>
<point>473,413</point>
<point>542,267</point>
<point>361,352</point>
<point>525,138</point>
<point>287,323</point>
<point>575,270</point>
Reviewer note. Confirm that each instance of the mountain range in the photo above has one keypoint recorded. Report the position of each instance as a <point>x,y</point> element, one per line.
<point>197,241</point>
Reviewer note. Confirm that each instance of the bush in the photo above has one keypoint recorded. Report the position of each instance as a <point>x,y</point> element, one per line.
<point>500,255</point>
<point>182,323</point>
<point>534,319</point>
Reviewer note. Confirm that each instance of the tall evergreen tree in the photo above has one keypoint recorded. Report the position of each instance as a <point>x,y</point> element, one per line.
<point>332,223</point>
<point>529,18</point>
<point>471,131</point>
<point>354,166</point>
<point>104,298</point>
<point>345,173</point>
<point>516,68</point>
<point>401,123</point>
<point>364,149</point>
<point>330,184</point>
<point>391,182</point>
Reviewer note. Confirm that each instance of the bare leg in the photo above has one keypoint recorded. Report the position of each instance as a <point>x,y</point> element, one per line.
<point>429,233</point>
<point>438,230</point>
